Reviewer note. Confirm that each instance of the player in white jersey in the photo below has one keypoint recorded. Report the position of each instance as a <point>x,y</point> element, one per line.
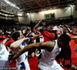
<point>4,54</point>
<point>21,62</point>
<point>47,61</point>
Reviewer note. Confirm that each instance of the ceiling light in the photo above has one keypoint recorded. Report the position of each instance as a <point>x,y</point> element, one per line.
<point>11,4</point>
<point>20,14</point>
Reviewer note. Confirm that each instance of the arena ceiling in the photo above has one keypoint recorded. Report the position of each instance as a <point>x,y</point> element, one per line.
<point>35,5</point>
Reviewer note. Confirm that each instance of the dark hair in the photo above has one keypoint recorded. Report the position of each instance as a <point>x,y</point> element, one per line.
<point>15,36</point>
<point>64,38</point>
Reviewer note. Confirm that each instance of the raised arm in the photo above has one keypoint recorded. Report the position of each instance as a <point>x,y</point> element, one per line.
<point>46,45</point>
<point>17,43</point>
<point>37,24</point>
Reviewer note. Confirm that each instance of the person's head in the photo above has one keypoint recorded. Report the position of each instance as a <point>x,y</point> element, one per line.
<point>74,28</point>
<point>15,36</point>
<point>64,40</point>
<point>14,30</point>
<point>48,27</point>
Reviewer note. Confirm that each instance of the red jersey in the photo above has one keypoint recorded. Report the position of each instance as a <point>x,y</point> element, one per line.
<point>48,36</point>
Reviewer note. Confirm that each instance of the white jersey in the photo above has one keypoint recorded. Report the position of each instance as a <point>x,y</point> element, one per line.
<point>4,54</point>
<point>23,58</point>
<point>47,61</point>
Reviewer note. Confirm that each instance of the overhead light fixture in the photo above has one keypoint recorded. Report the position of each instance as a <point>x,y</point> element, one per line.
<point>11,4</point>
<point>20,13</point>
